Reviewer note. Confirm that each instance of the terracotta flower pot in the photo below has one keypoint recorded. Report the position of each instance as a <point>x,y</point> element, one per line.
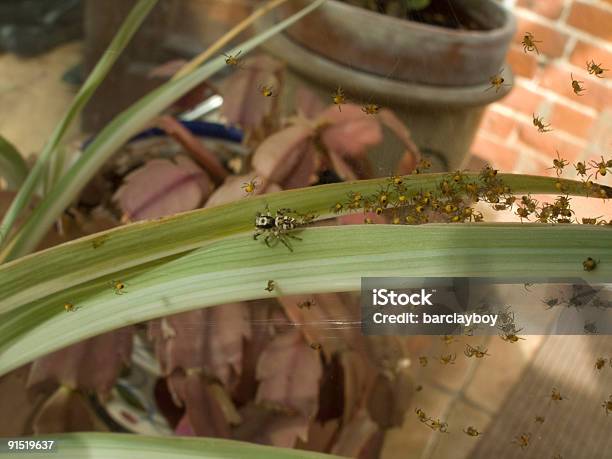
<point>436,79</point>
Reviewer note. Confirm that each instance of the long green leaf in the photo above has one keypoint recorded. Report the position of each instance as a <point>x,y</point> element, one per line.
<point>41,274</point>
<point>329,259</point>
<point>121,129</point>
<point>127,446</point>
<point>122,38</point>
<point>13,168</point>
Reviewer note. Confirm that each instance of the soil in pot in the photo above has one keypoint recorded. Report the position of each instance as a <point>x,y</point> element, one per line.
<point>441,13</point>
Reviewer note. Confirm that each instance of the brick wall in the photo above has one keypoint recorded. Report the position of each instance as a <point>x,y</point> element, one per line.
<point>572,32</point>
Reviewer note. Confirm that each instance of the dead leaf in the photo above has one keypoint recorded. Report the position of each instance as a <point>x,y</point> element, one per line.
<point>161,188</point>
<point>278,157</point>
<point>243,101</point>
<point>349,132</point>
<point>355,435</point>
<point>334,321</point>
<point>16,399</point>
<point>289,372</point>
<point>358,377</point>
<point>208,339</point>
<point>93,364</point>
<point>308,104</point>
<point>320,436</point>
<point>390,398</point>
<point>269,427</point>
<point>203,408</point>
<point>305,172</point>
<point>232,189</point>
<point>65,411</point>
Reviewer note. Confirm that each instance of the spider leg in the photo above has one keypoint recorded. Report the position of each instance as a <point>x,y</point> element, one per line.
<point>284,240</point>
<point>293,237</point>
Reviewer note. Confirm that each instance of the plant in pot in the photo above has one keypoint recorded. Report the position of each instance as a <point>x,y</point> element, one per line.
<point>430,61</point>
<point>92,292</point>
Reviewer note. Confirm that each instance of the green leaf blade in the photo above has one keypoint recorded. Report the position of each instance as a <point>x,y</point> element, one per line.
<point>329,259</point>
<point>13,167</point>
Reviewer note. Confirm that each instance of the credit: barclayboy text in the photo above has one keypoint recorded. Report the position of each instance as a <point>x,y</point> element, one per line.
<point>384,297</point>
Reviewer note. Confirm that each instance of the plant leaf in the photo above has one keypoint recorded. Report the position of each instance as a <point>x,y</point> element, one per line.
<point>97,445</point>
<point>112,53</point>
<point>162,187</point>
<point>119,131</point>
<point>203,410</point>
<point>92,364</point>
<point>208,340</point>
<point>327,259</point>
<point>268,426</point>
<point>243,101</point>
<point>65,411</point>
<point>289,372</point>
<point>132,245</point>
<point>279,155</point>
<point>350,131</point>
<point>13,167</point>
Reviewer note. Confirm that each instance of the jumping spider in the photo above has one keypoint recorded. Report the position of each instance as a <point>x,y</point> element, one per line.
<point>279,227</point>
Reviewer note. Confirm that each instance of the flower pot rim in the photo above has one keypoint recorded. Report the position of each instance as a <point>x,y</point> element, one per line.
<point>315,66</point>
<point>508,25</point>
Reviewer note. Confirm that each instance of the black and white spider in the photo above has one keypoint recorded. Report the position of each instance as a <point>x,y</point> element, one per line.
<point>278,227</point>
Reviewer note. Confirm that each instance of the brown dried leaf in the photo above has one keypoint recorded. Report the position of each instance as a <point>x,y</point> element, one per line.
<point>16,400</point>
<point>93,364</point>
<point>203,404</point>
<point>320,436</point>
<point>334,320</point>
<point>278,157</point>
<point>355,435</point>
<point>289,371</point>
<point>161,188</point>
<point>342,168</point>
<point>208,339</point>
<point>390,398</point>
<point>243,103</point>
<point>308,104</point>
<point>359,376</point>
<point>65,411</point>
<point>269,427</point>
<point>263,319</point>
<point>305,172</point>
<point>349,132</point>
<point>232,189</point>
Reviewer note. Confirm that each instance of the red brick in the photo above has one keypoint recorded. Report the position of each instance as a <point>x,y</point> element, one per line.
<point>494,153</point>
<point>495,123</point>
<point>584,52</point>
<point>548,8</point>
<point>592,19</point>
<point>552,41</point>
<point>602,135</point>
<point>567,119</point>
<point>522,100</point>
<point>522,64</point>
<point>535,165</point>
<point>549,143</point>
<point>558,79</point>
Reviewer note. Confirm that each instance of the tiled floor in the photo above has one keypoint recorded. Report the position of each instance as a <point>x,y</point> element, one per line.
<point>467,393</point>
